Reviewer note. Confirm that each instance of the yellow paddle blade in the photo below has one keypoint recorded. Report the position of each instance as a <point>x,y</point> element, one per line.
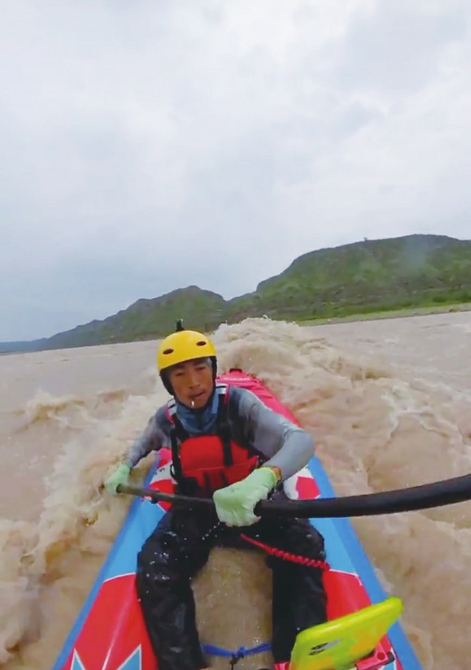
<point>341,643</point>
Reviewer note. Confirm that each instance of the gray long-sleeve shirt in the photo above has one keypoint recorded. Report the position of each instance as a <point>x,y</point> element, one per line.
<point>278,441</point>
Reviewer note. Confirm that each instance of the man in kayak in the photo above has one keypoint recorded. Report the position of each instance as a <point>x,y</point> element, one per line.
<point>226,444</point>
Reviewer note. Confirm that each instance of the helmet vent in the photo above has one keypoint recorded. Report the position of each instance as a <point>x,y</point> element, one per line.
<point>168,351</point>
<point>201,343</point>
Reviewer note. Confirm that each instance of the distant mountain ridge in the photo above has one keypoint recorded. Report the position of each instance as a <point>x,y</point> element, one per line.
<point>372,275</point>
<point>367,276</point>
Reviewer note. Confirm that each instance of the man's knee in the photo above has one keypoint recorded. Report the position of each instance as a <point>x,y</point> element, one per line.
<point>302,538</point>
<point>155,563</point>
<point>315,541</point>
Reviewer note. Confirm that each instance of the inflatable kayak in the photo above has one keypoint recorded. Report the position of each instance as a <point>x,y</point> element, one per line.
<point>109,633</point>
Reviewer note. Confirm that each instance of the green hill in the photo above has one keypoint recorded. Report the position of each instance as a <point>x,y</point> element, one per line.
<point>30,345</point>
<point>147,319</point>
<point>368,276</point>
<point>364,277</point>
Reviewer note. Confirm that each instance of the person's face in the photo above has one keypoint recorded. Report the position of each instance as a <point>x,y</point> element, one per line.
<point>192,382</point>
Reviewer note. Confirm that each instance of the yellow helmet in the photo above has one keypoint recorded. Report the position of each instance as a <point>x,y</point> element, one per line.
<point>184,345</point>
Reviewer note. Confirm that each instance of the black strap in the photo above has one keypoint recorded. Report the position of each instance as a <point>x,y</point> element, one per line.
<point>180,432</point>
<point>176,466</point>
<point>236,657</point>
<point>223,429</point>
<point>177,435</point>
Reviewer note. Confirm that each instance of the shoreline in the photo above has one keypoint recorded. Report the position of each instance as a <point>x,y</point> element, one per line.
<point>321,321</point>
<point>390,314</point>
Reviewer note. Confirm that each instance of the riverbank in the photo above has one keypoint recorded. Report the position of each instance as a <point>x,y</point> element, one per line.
<point>390,314</point>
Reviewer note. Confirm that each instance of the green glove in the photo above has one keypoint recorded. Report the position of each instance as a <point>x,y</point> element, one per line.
<point>119,476</point>
<point>235,504</point>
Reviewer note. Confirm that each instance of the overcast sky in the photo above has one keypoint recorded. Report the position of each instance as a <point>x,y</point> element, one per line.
<point>147,146</point>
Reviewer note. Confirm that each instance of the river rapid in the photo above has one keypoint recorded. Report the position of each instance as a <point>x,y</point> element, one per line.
<point>389,403</point>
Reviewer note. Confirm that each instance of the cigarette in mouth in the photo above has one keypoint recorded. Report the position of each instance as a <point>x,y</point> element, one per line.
<point>192,403</point>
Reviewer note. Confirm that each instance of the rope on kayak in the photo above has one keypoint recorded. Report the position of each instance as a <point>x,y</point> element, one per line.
<point>285,555</point>
<point>238,655</point>
<point>272,551</point>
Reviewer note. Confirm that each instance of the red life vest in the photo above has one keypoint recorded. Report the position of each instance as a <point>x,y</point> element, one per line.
<point>204,464</point>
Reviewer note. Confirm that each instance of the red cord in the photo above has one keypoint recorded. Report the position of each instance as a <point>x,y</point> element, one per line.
<point>312,562</point>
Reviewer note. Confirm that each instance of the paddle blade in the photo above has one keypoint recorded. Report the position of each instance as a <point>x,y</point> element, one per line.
<point>343,642</point>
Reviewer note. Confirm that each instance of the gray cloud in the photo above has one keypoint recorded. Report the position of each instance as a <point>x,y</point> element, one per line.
<point>145,148</point>
<point>395,47</point>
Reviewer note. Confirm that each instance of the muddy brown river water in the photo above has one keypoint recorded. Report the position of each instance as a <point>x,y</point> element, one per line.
<point>389,403</point>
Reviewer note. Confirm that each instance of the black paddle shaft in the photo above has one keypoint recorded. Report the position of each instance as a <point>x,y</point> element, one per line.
<point>445,492</point>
